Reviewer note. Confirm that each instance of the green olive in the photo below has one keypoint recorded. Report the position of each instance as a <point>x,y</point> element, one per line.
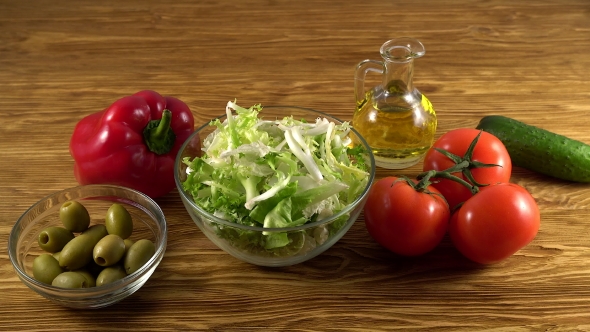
<point>118,221</point>
<point>46,268</point>
<point>128,244</point>
<point>56,255</point>
<point>74,216</point>
<point>78,252</point>
<point>54,238</point>
<point>90,280</point>
<point>110,274</point>
<point>139,253</point>
<point>109,250</point>
<point>70,279</point>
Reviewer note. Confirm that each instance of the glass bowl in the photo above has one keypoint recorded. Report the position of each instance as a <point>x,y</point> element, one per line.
<point>242,241</point>
<point>148,223</point>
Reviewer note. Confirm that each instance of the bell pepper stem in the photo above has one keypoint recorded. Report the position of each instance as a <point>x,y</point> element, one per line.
<point>163,126</point>
<point>158,135</point>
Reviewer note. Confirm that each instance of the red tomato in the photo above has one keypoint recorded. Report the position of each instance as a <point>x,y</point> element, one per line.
<point>489,150</point>
<point>495,223</point>
<point>403,220</point>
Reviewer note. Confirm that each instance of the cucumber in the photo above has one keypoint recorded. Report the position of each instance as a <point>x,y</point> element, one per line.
<point>540,150</point>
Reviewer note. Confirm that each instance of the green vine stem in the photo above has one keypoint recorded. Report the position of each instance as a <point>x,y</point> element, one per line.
<point>462,165</point>
<point>467,157</point>
<point>446,174</point>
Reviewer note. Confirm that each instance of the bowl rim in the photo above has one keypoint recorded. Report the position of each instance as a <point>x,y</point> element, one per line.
<point>188,199</point>
<point>97,290</point>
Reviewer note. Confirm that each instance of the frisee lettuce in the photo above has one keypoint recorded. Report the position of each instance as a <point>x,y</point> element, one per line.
<point>275,173</point>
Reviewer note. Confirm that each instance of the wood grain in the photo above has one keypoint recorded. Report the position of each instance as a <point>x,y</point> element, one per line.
<point>61,60</point>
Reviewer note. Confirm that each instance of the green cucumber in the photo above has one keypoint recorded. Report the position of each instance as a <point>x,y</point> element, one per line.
<point>540,150</point>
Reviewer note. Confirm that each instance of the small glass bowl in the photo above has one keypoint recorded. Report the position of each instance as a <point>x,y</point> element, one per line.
<point>148,223</point>
<point>306,241</point>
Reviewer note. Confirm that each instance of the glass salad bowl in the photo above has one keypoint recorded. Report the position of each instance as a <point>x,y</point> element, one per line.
<point>148,223</point>
<point>275,185</point>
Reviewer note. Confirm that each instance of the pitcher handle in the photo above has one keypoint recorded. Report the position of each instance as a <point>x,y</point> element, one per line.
<point>362,69</point>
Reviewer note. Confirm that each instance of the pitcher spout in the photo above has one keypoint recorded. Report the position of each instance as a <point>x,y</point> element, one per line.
<point>402,49</point>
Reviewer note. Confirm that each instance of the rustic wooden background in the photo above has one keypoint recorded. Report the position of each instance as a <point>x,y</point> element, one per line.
<point>61,60</point>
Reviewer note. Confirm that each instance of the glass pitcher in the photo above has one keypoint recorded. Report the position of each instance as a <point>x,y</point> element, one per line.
<point>397,121</point>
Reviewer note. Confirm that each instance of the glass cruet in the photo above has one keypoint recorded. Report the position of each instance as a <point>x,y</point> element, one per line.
<point>396,120</point>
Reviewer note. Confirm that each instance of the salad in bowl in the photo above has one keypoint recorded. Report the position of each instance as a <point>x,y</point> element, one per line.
<point>274,189</point>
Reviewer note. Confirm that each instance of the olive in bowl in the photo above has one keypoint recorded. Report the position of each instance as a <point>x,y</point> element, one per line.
<point>275,185</point>
<point>76,282</point>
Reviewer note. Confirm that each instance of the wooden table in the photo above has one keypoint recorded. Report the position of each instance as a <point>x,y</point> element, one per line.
<point>61,60</point>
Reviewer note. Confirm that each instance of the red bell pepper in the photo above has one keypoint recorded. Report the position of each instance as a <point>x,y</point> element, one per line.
<point>133,143</point>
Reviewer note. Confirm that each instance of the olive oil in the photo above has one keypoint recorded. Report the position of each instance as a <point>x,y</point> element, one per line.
<point>396,120</point>
<point>398,135</point>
